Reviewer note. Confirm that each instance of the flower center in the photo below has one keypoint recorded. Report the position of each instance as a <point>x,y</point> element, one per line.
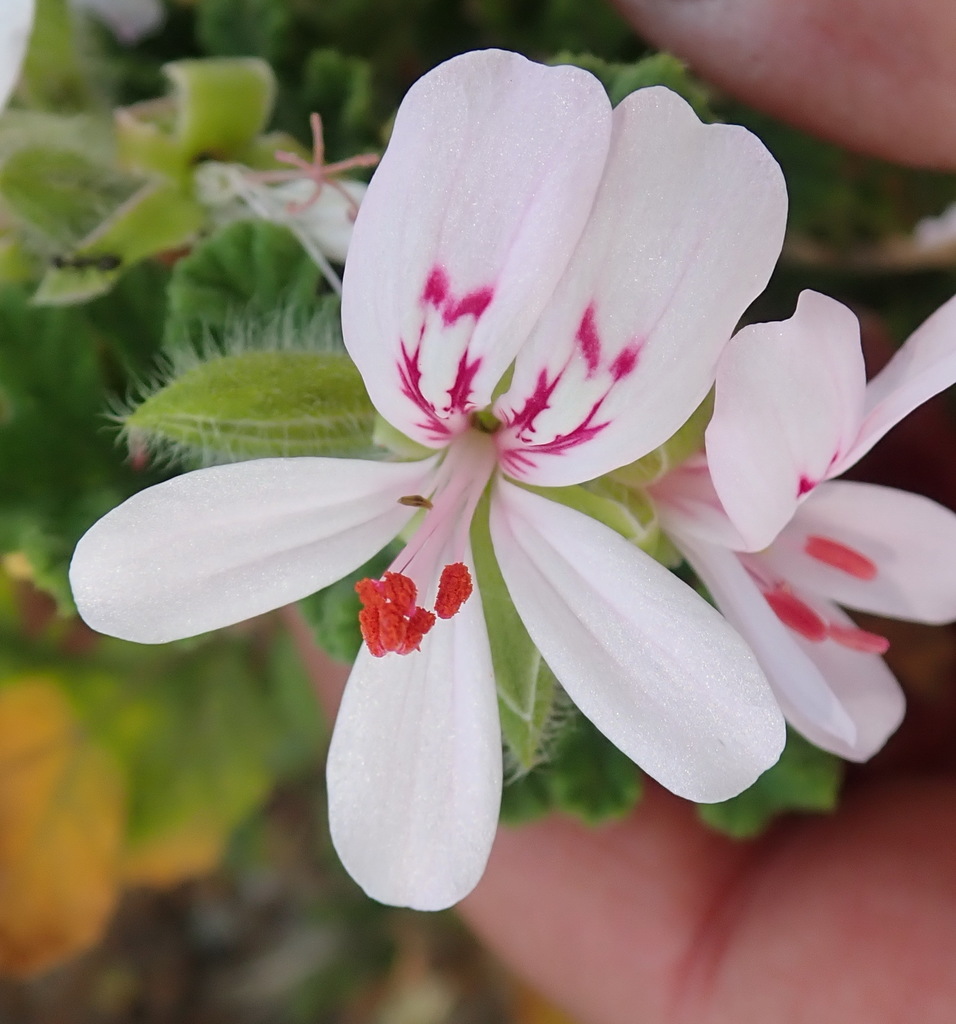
<point>392,620</point>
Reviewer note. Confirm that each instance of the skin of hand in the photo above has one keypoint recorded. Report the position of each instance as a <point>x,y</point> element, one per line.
<point>874,75</point>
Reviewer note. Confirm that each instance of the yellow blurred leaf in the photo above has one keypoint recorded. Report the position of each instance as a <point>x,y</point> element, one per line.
<point>62,815</point>
<point>194,848</point>
<point>532,1008</point>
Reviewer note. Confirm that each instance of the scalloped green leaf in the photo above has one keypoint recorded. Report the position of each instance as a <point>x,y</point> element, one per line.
<point>249,268</point>
<point>340,88</point>
<point>333,613</point>
<point>621,80</point>
<point>805,779</point>
<point>60,468</point>
<point>584,775</point>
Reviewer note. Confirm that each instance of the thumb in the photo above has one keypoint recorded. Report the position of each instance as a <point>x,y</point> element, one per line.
<point>875,75</point>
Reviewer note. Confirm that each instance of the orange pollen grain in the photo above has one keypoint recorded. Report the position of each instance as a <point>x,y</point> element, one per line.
<point>839,556</point>
<point>454,589</point>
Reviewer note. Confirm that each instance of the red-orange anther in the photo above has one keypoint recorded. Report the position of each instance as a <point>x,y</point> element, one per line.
<point>390,620</point>
<point>454,589</point>
<point>401,591</point>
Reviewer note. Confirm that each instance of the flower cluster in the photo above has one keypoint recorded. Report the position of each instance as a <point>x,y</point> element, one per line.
<point>540,291</point>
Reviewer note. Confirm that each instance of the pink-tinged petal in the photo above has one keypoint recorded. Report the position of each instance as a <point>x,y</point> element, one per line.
<point>788,405</point>
<point>876,549</point>
<point>685,231</point>
<point>329,221</point>
<point>687,503</point>
<point>924,366</point>
<point>656,669</point>
<point>805,694</point>
<point>220,545</point>
<point>322,223</point>
<point>414,769</point>
<point>16,22</point>
<point>465,230</point>
<point>866,689</point>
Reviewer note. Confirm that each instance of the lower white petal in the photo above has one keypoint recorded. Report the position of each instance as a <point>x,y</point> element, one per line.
<point>865,688</point>
<point>805,694</point>
<point>910,540</point>
<point>656,669</point>
<point>220,545</point>
<point>414,770</point>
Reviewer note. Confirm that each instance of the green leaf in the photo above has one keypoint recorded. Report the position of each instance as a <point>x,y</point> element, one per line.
<point>804,779</point>
<point>621,80</point>
<point>217,109</point>
<point>340,88</point>
<point>243,27</point>
<point>258,404</point>
<point>159,217</point>
<point>222,103</point>
<point>53,76</point>
<point>61,194</point>
<point>585,776</point>
<point>525,684</point>
<point>249,268</point>
<point>60,468</point>
<point>201,729</point>
<point>89,135</point>
<point>536,27</point>
<point>129,321</point>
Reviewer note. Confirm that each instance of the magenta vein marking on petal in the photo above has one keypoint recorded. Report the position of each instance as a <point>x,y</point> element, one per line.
<point>410,376</point>
<point>518,458</point>
<point>537,402</point>
<point>625,361</point>
<point>459,395</point>
<point>472,304</point>
<point>437,293</point>
<point>436,288</point>
<point>805,486</point>
<point>587,338</point>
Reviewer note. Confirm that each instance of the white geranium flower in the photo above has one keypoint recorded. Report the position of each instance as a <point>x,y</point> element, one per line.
<point>537,291</point>
<point>782,545</point>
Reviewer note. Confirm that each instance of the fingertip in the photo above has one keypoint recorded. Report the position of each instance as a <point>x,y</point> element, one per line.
<point>873,75</point>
